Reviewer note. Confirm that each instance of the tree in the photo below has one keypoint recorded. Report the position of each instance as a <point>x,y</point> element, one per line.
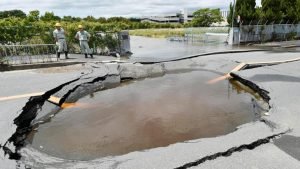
<point>90,19</point>
<point>67,18</point>
<point>247,11</point>
<point>135,19</point>
<point>118,19</point>
<point>33,16</point>
<point>71,19</point>
<point>15,30</point>
<point>12,13</point>
<point>49,16</point>
<point>289,9</point>
<point>298,10</point>
<point>271,10</point>
<point>101,19</point>
<point>285,11</point>
<point>205,17</point>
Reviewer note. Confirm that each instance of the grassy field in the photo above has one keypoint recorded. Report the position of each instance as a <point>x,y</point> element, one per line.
<point>157,33</point>
<point>164,33</point>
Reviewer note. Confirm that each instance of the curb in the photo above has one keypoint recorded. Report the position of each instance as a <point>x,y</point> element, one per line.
<point>203,54</point>
<point>37,66</point>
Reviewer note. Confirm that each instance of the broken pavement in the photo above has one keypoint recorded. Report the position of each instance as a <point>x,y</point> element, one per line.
<point>251,145</point>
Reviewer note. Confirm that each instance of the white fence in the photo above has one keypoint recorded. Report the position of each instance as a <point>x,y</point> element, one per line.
<point>203,35</point>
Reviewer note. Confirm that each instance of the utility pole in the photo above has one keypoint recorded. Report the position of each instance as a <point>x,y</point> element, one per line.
<point>233,12</point>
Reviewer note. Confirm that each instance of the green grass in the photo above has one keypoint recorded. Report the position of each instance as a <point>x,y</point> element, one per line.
<point>157,33</point>
<point>164,33</point>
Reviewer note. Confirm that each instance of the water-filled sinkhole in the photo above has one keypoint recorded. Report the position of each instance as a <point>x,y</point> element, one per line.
<point>144,114</point>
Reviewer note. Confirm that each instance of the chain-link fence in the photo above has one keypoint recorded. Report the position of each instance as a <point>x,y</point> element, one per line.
<point>263,33</point>
<point>203,35</point>
<point>27,54</point>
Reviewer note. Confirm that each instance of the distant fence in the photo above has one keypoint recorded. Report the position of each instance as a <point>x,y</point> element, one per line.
<point>262,33</point>
<point>203,35</point>
<point>27,54</point>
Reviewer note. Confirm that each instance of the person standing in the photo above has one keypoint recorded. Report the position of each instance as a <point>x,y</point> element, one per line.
<point>83,37</point>
<point>60,39</point>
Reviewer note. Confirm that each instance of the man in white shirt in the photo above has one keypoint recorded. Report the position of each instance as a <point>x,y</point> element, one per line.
<point>83,37</point>
<point>60,39</point>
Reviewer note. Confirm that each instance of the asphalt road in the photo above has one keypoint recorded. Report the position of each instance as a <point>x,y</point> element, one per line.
<point>270,143</point>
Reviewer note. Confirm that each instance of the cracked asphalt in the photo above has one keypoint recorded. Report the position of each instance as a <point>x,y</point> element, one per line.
<point>253,145</point>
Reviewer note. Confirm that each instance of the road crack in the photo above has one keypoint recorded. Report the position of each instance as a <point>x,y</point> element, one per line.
<point>232,150</point>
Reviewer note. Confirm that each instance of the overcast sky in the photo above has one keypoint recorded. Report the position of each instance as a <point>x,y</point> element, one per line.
<point>108,8</point>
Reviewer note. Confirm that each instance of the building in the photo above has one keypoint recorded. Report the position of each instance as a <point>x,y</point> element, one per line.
<point>184,16</point>
<point>224,14</point>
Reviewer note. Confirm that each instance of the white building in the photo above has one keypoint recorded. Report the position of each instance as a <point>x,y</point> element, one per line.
<point>224,13</point>
<point>184,16</point>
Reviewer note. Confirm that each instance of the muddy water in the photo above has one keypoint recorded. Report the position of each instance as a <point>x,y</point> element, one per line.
<point>156,49</point>
<point>145,114</point>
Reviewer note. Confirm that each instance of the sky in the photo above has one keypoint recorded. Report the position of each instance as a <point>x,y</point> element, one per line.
<point>108,8</point>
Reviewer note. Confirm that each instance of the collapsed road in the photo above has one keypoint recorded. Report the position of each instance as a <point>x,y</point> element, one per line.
<point>270,142</point>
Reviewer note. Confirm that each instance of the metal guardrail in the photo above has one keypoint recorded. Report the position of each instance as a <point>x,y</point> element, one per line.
<point>28,54</point>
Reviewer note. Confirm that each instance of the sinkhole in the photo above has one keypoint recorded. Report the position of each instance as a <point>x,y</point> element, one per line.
<point>144,114</point>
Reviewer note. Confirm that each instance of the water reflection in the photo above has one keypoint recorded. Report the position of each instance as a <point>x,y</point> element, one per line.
<point>145,48</point>
<point>145,114</point>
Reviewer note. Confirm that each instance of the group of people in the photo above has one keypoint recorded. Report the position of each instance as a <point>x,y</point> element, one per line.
<point>83,36</point>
